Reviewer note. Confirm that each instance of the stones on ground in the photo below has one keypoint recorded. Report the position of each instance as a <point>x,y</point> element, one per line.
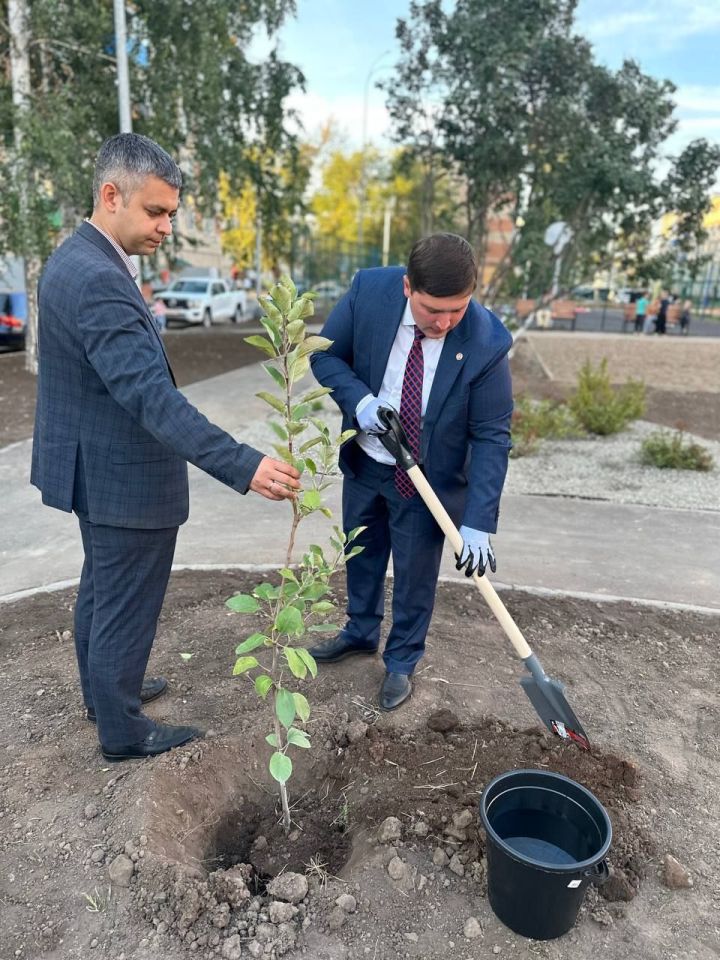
<point>412,937</point>
<point>338,917</point>
<point>397,869</point>
<point>421,828</point>
<point>443,721</point>
<point>231,885</point>
<point>357,731</point>
<point>472,929</point>
<point>232,948</point>
<point>463,819</point>
<point>98,855</point>
<point>264,932</point>
<point>280,912</point>
<point>389,830</point>
<point>675,875</point>
<point>440,858</point>
<point>347,902</point>
<point>91,811</point>
<point>291,887</point>
<point>121,870</point>
<point>457,866</point>
<point>255,948</point>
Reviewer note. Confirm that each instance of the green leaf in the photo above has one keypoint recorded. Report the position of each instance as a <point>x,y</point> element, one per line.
<point>276,375</point>
<point>278,430</point>
<point>295,328</point>
<point>272,312</point>
<point>284,453</point>
<point>295,662</point>
<point>310,466</point>
<point>297,738</point>
<point>355,532</point>
<point>263,684</point>
<point>310,443</point>
<point>324,606</point>
<point>314,591</point>
<point>253,641</point>
<point>294,429</point>
<point>302,707</point>
<point>243,664</point>
<point>353,553</point>
<point>316,394</point>
<point>326,512</point>
<point>275,402</point>
<point>272,327</point>
<point>298,368</point>
<point>314,344</point>
<point>287,282</point>
<point>186,656</point>
<point>285,707</point>
<point>311,499</point>
<point>324,628</point>
<point>308,659</point>
<point>242,603</point>
<point>299,411</point>
<point>346,435</point>
<point>289,621</point>
<point>280,767</point>
<point>262,344</point>
<point>281,297</point>
<point>272,739</point>
<point>266,591</point>
<point>287,573</point>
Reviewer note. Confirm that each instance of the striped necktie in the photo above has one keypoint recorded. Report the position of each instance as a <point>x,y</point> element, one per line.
<point>411,410</point>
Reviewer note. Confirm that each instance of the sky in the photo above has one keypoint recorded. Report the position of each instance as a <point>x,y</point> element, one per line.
<point>339,43</point>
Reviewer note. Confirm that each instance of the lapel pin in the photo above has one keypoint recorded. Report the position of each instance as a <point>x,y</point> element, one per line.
<point>458,356</point>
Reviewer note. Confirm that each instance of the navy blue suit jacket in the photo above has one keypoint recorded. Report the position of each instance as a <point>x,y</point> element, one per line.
<point>112,432</point>
<point>466,428</point>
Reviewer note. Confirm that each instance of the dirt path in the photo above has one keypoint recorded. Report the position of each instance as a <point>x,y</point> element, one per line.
<point>642,682</point>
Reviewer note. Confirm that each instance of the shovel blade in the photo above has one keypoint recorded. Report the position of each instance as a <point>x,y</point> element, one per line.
<point>548,698</point>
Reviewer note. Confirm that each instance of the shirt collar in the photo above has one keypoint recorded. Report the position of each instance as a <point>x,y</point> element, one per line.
<point>131,268</point>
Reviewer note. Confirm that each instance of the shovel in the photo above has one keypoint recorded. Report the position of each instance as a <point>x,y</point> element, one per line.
<point>546,695</point>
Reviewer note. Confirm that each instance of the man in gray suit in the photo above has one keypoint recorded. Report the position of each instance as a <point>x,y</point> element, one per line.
<point>113,436</point>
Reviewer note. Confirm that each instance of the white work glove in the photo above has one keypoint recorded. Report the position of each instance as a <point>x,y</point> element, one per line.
<point>476,553</point>
<point>367,416</point>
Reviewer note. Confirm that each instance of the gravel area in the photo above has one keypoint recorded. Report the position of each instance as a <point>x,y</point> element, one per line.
<point>609,468</point>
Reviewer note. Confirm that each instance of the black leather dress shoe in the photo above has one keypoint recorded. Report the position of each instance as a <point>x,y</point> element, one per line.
<point>163,738</point>
<point>394,690</point>
<point>340,647</point>
<point>152,688</point>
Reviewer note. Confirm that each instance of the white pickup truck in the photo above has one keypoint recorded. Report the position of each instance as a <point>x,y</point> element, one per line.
<point>203,300</point>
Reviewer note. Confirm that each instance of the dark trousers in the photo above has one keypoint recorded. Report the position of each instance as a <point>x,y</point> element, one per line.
<point>122,587</point>
<point>407,530</point>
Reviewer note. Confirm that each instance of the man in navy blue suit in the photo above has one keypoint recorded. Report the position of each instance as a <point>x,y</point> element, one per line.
<point>415,340</point>
<point>113,436</point>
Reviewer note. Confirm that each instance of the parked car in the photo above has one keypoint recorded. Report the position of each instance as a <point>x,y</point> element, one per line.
<point>13,320</point>
<point>203,300</point>
<point>328,290</point>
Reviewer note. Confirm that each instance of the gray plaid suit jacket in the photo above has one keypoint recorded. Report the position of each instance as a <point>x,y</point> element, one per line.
<point>112,432</point>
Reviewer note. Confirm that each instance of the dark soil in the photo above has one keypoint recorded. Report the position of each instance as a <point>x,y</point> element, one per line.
<point>200,829</point>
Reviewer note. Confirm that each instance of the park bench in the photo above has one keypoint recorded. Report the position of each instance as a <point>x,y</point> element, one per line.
<point>563,311</point>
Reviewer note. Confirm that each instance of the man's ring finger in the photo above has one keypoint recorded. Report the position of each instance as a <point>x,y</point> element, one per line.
<point>271,483</point>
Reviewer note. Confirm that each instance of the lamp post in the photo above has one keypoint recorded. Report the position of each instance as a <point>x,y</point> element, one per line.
<point>366,95</point>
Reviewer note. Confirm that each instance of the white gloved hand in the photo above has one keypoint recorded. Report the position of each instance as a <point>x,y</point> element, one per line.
<point>476,553</point>
<point>366,414</point>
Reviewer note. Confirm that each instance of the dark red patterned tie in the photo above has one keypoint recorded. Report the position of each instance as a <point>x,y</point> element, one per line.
<point>411,410</point>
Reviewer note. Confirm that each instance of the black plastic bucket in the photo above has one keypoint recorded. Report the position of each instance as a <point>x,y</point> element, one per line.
<point>547,840</point>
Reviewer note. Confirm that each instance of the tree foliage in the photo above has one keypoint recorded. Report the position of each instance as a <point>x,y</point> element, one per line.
<point>193,90</point>
<point>505,96</point>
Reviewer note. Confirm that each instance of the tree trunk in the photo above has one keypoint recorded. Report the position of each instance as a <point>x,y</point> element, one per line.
<point>33,267</point>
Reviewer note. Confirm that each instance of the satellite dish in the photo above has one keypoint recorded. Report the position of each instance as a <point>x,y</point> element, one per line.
<point>557,236</point>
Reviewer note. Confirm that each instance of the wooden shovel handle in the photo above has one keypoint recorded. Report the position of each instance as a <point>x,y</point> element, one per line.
<point>522,648</point>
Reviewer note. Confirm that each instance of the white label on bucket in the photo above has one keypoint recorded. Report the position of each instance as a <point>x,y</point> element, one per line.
<point>574,883</point>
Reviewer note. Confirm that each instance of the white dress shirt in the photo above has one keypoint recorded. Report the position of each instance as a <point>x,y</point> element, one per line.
<point>391,389</point>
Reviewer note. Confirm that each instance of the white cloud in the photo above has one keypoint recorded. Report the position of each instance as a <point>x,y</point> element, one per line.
<point>645,24</point>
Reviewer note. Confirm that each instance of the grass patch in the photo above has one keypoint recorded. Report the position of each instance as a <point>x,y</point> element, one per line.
<point>669,450</point>
<point>599,407</point>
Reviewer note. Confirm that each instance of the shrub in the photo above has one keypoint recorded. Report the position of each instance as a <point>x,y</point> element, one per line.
<point>599,407</point>
<point>536,420</point>
<point>669,450</point>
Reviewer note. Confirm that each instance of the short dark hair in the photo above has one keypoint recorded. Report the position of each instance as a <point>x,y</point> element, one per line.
<point>127,160</point>
<point>442,265</point>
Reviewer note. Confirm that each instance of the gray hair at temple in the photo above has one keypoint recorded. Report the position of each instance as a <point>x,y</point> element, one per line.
<point>127,160</point>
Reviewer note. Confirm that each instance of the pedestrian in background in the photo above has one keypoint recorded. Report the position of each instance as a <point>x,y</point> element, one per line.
<point>685,317</point>
<point>640,312</point>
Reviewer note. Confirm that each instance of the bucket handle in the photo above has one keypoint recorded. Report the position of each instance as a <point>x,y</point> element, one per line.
<point>599,873</point>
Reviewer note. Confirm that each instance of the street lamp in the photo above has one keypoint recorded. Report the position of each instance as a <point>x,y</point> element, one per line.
<point>375,66</point>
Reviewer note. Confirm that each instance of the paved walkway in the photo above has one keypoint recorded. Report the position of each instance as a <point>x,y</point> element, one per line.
<point>556,544</point>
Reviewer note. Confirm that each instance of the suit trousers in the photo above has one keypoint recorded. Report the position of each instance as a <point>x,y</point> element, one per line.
<point>122,588</point>
<point>405,529</point>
